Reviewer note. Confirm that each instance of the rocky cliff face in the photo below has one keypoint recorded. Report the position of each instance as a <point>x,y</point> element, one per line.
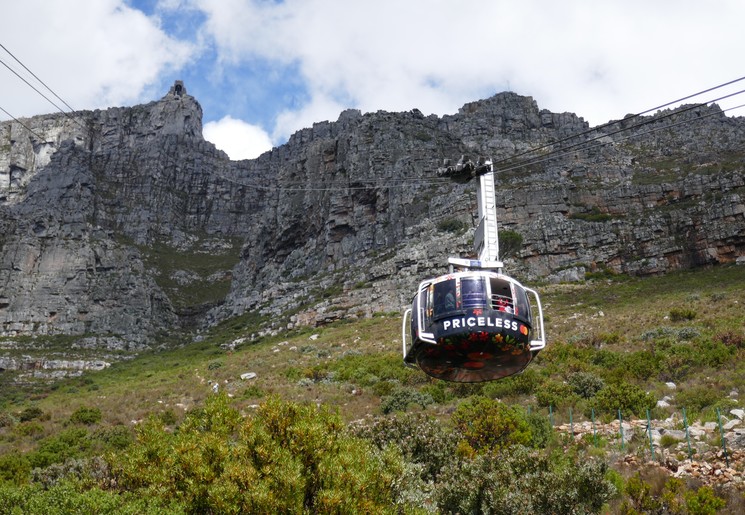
<point>124,223</point>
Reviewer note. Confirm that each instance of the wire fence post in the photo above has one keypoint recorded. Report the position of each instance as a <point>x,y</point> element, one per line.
<point>649,432</point>
<point>724,442</point>
<point>571,424</point>
<point>620,427</point>
<point>688,435</point>
<point>594,431</point>
<point>551,415</point>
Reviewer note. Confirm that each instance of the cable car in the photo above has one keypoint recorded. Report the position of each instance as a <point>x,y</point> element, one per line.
<point>476,324</point>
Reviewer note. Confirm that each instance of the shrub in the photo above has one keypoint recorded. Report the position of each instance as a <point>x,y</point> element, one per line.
<point>713,354</point>
<point>6,419</point>
<point>731,339</point>
<point>422,439</point>
<point>30,413</point>
<point>585,384</point>
<point>116,437</point>
<point>641,364</point>
<point>629,398</point>
<point>510,243</point>
<point>524,383</point>
<point>639,497</point>
<point>696,398</point>
<point>14,468</point>
<point>437,390</point>
<point>451,225</point>
<point>523,481</point>
<point>70,443</point>
<point>680,314</point>
<point>29,428</point>
<point>703,501</point>
<point>401,398</point>
<point>556,394</point>
<point>368,369</point>
<point>488,424</point>
<point>668,441</point>
<point>86,415</point>
<point>288,458</point>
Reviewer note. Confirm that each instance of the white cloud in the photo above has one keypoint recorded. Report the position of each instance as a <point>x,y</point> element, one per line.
<point>600,60</point>
<point>92,53</point>
<point>237,138</point>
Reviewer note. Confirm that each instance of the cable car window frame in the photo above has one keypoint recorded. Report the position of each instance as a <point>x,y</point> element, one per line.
<point>498,283</point>
<point>438,302</point>
<point>475,298</point>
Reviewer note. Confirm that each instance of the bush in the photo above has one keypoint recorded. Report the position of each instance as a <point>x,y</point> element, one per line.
<point>288,458</point>
<point>629,398</point>
<point>70,443</point>
<point>488,424</point>
<point>30,413</point>
<point>556,394</point>
<point>703,501</point>
<point>14,468</point>
<point>694,399</point>
<point>523,481</point>
<point>369,369</point>
<point>510,243</point>
<point>86,415</point>
<point>422,439</point>
<point>585,384</point>
<point>6,419</point>
<point>641,364</point>
<point>401,398</point>
<point>680,314</point>
<point>29,428</point>
<point>451,225</point>
<point>714,354</point>
<point>113,438</point>
<point>524,383</point>
<point>731,339</point>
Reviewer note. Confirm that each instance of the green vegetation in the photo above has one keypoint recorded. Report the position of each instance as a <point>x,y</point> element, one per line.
<point>191,277</point>
<point>333,421</point>
<point>593,216</point>
<point>510,243</point>
<point>451,225</point>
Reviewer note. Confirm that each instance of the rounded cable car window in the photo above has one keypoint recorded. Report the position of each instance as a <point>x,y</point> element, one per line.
<point>445,299</point>
<point>522,306</point>
<point>501,295</point>
<point>473,292</point>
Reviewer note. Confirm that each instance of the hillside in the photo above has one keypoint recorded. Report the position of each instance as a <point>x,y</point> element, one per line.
<point>170,318</point>
<point>685,328</point>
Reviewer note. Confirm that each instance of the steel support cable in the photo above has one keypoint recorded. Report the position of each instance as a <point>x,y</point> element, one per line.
<point>614,122</point>
<point>22,124</point>
<point>35,77</point>
<point>43,95</point>
<point>574,146</point>
<point>598,145</point>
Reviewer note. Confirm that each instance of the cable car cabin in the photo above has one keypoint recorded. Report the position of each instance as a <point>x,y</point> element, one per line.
<point>473,326</point>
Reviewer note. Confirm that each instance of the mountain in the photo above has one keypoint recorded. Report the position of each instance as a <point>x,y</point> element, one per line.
<point>123,224</point>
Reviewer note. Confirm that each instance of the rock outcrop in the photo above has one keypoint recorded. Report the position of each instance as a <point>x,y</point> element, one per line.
<point>125,222</point>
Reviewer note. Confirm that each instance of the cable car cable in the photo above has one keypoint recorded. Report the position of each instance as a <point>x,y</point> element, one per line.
<point>22,124</point>
<point>554,156</point>
<point>36,77</point>
<point>613,122</point>
<point>68,115</point>
<point>648,121</point>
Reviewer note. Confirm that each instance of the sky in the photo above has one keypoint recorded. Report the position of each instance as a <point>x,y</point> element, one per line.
<point>264,69</point>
